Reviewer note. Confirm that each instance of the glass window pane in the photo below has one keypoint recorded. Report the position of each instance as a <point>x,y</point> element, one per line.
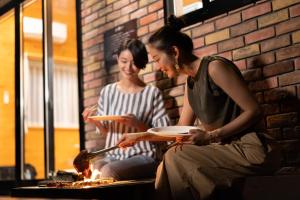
<point>33,89</point>
<point>7,96</point>
<point>65,83</point>
<point>182,7</point>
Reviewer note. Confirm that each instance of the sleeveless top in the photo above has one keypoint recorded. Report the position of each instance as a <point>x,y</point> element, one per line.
<point>209,102</point>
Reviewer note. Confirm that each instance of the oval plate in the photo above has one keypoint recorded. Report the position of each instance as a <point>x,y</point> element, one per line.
<point>172,131</point>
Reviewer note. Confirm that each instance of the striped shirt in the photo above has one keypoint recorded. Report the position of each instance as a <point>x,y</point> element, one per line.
<point>147,106</point>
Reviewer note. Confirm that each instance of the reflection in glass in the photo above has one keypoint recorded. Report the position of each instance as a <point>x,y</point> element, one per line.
<point>65,84</point>
<point>7,96</point>
<point>182,7</point>
<point>32,54</point>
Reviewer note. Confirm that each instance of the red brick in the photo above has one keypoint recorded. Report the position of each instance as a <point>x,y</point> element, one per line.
<point>89,60</point>
<point>120,4</point>
<point>121,20</point>
<point>88,3</point>
<point>203,30</point>
<point>142,30</point>
<point>279,4</point>
<point>278,68</point>
<point>96,40</point>
<point>151,77</point>
<point>139,13</point>
<point>260,60</point>
<point>114,15</point>
<point>100,73</point>
<point>148,19</point>
<point>155,6</point>
<point>243,28</point>
<point>270,109</point>
<point>88,76</point>
<point>106,27</point>
<point>86,12</point>
<point>175,91</point>
<point>228,21</point>
<point>264,84</point>
<point>288,52</point>
<point>130,8</point>
<point>273,18</point>
<point>90,18</point>
<point>259,97</point>
<point>257,10</point>
<point>295,10</point>
<point>227,55</point>
<point>259,35</point>
<point>156,25</point>
<point>241,64</point>
<point>275,133</point>
<point>90,51</point>
<point>208,50</point>
<point>230,44</point>
<point>104,11</point>
<point>160,14</point>
<point>90,101</point>
<point>246,51</point>
<point>279,94</point>
<point>275,43</point>
<point>297,63</point>
<point>198,42</point>
<point>289,78</point>
<point>89,35</point>
<point>181,79</point>
<point>281,120</point>
<point>98,6</point>
<point>288,26</point>
<point>252,74</point>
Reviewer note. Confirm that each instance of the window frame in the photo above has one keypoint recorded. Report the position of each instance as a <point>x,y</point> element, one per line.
<point>209,10</point>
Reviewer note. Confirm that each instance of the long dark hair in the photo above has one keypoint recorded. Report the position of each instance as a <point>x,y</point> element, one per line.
<point>138,51</point>
<point>169,35</point>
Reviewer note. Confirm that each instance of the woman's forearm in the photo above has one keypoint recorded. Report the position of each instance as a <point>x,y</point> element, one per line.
<point>152,137</point>
<point>239,124</point>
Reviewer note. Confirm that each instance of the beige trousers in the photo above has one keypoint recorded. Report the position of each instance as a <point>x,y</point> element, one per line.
<point>196,171</point>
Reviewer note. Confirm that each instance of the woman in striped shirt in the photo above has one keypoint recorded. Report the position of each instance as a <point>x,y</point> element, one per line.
<point>142,107</point>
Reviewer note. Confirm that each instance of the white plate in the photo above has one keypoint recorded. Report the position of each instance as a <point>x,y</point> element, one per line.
<point>172,131</point>
<point>106,117</point>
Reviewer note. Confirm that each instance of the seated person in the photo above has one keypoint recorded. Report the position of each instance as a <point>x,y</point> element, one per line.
<point>143,108</point>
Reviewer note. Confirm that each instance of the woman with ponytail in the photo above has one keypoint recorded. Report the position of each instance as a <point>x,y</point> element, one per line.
<point>228,147</point>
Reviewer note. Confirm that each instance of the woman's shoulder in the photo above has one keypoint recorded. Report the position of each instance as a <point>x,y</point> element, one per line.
<point>108,87</point>
<point>153,89</point>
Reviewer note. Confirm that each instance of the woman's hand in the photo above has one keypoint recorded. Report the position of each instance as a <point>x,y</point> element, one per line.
<point>199,137</point>
<point>129,139</point>
<point>86,114</point>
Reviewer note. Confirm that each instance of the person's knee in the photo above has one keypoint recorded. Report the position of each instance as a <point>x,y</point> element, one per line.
<point>169,155</point>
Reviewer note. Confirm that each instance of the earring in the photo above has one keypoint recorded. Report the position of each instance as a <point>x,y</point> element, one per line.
<point>177,68</point>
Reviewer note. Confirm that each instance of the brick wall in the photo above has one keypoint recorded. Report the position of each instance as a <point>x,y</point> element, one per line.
<point>263,39</point>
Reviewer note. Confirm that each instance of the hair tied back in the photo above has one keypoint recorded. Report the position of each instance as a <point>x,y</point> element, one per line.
<point>175,23</point>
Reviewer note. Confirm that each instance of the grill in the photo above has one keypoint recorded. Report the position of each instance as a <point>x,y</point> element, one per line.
<point>131,189</point>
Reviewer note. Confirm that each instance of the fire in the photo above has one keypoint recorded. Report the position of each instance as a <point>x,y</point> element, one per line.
<point>96,174</point>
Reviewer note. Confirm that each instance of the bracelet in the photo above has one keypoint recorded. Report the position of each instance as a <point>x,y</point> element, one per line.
<point>214,136</point>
